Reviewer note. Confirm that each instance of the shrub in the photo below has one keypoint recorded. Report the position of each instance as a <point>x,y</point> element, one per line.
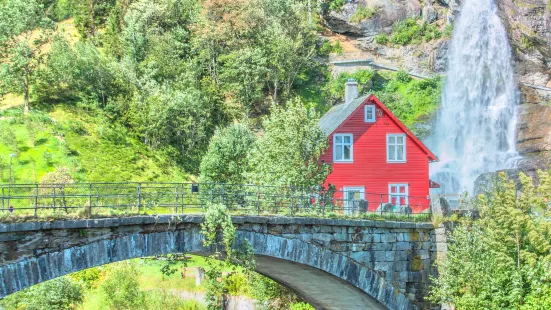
<point>381,38</point>
<point>336,5</point>
<point>57,294</point>
<point>408,31</point>
<point>336,86</point>
<point>403,76</point>
<point>363,13</point>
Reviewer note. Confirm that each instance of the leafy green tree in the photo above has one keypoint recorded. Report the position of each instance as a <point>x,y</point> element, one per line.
<point>78,72</point>
<point>289,151</point>
<point>90,15</point>
<point>57,294</point>
<point>220,237</point>
<point>24,29</point>
<point>507,251</point>
<point>121,287</point>
<point>226,157</point>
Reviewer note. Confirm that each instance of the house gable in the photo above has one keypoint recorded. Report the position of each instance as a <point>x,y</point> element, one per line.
<point>339,115</point>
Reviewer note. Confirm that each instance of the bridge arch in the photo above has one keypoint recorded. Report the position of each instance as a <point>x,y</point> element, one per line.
<point>48,250</point>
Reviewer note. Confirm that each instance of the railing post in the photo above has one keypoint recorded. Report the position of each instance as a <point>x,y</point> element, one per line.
<point>381,205</point>
<point>90,199</point>
<point>258,199</point>
<point>53,199</point>
<point>139,197</point>
<point>323,203</point>
<point>36,200</point>
<point>176,202</point>
<point>3,206</point>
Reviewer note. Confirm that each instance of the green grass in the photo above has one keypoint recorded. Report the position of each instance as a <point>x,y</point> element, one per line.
<point>85,142</point>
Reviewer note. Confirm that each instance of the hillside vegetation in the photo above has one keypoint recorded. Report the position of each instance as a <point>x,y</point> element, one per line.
<point>134,90</point>
<point>91,148</point>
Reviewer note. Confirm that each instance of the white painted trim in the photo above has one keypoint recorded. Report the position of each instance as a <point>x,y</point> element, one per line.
<point>346,189</point>
<point>374,111</point>
<point>387,147</point>
<point>390,185</point>
<point>351,160</point>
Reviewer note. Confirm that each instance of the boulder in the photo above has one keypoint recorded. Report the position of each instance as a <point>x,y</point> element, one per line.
<point>405,210</point>
<point>440,206</point>
<point>429,14</point>
<point>485,182</point>
<point>385,207</point>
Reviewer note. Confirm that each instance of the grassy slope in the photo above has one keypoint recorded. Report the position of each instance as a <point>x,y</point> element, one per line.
<point>87,144</point>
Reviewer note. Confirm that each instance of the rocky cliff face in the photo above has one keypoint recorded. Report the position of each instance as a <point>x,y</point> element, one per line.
<point>529,28</point>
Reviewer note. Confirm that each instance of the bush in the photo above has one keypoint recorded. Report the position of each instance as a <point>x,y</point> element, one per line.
<point>403,76</point>
<point>336,86</point>
<point>381,38</point>
<point>57,294</point>
<point>336,5</point>
<point>408,31</point>
<point>363,13</point>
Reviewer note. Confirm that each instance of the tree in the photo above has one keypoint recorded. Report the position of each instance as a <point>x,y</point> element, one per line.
<point>226,157</point>
<point>220,237</point>
<point>121,287</point>
<point>507,251</point>
<point>289,152</point>
<point>24,29</point>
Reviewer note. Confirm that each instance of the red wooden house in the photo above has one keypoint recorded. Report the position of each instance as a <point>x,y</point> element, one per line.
<point>374,156</point>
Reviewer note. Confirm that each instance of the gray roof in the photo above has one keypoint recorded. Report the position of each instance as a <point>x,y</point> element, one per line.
<point>338,114</point>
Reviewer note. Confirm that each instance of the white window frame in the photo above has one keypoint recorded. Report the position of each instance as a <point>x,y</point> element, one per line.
<point>373,109</point>
<point>346,189</point>
<point>398,194</point>
<point>388,136</point>
<point>342,135</point>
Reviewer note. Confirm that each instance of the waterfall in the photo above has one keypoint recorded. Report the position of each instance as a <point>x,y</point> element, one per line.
<point>475,128</point>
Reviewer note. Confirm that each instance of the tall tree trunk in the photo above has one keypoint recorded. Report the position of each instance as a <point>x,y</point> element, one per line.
<point>26,108</point>
<point>91,12</point>
<point>274,102</point>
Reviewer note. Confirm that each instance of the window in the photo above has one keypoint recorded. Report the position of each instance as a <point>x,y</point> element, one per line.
<point>369,113</point>
<point>342,148</point>
<point>398,194</point>
<point>396,148</point>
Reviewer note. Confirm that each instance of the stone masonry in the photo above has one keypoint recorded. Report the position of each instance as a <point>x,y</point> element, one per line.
<point>390,261</point>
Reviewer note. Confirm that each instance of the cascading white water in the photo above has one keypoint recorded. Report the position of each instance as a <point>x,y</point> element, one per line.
<point>475,127</point>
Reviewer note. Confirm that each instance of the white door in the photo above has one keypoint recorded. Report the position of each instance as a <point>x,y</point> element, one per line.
<point>352,194</point>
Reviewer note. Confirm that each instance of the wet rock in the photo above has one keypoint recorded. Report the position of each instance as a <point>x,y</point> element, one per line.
<point>486,182</point>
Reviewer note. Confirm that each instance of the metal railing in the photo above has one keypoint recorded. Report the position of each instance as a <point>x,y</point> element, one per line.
<point>101,199</point>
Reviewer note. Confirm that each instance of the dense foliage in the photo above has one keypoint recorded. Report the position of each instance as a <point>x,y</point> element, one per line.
<point>58,294</point>
<point>288,153</point>
<point>147,84</point>
<point>172,70</point>
<point>503,259</point>
<point>227,154</point>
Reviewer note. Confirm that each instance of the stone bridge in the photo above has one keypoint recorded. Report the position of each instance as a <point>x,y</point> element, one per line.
<point>331,263</point>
